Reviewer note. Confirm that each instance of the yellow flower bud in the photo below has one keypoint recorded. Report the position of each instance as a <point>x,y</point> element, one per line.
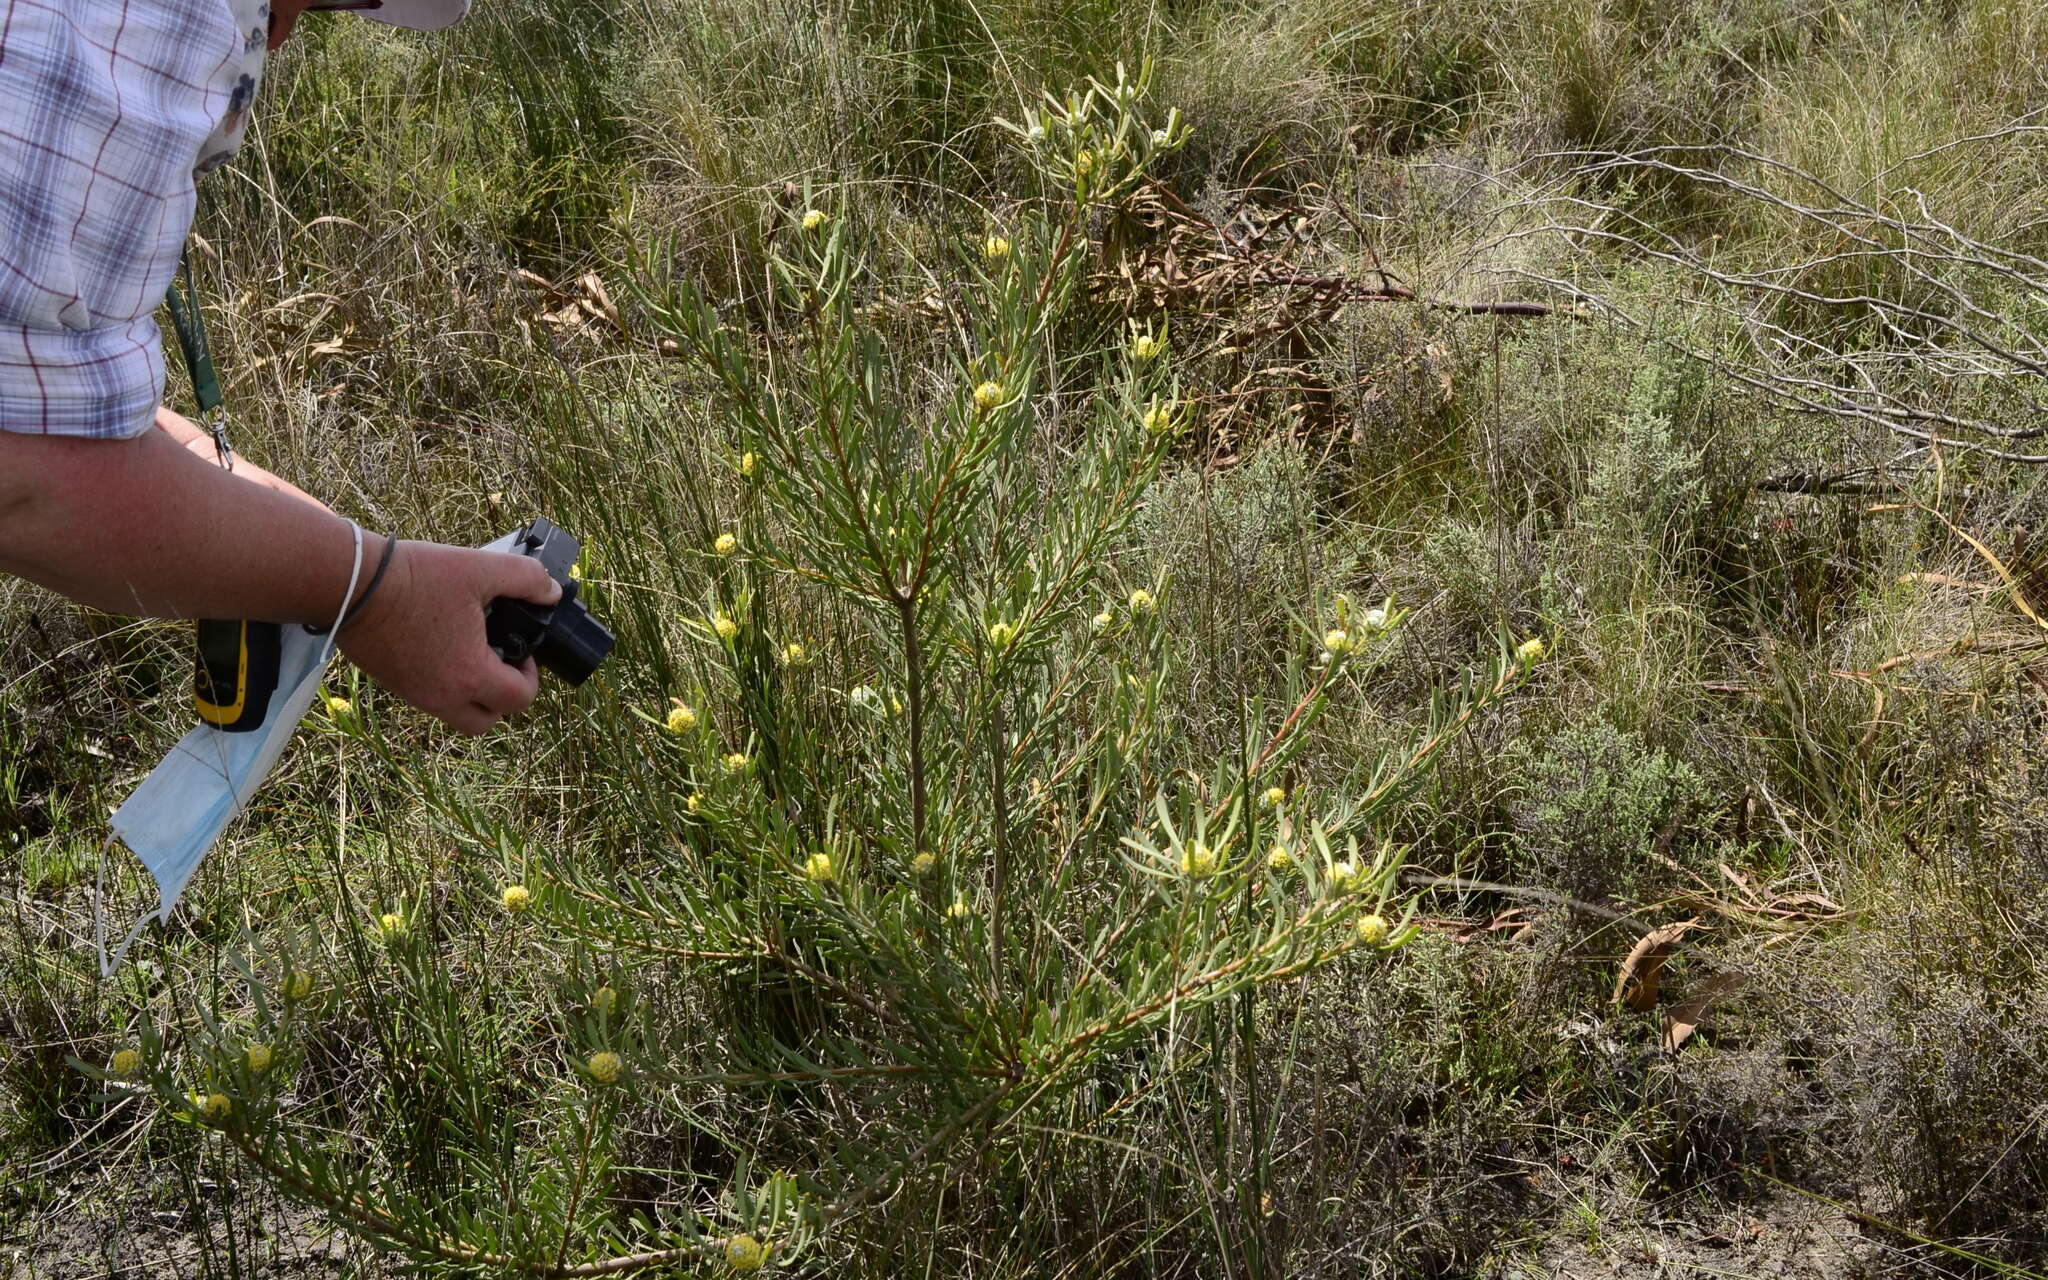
<point>339,708</point>
<point>1344,876</point>
<point>736,762</point>
<point>127,1064</point>
<point>748,464</point>
<point>682,717</point>
<point>1198,860</point>
<point>1337,640</point>
<point>923,863</point>
<point>1275,795</point>
<point>744,1253</point>
<point>988,395</point>
<point>815,218</point>
<point>1372,929</point>
<point>794,654</point>
<point>517,898</point>
<point>723,625</point>
<point>603,1001</point>
<point>960,910</point>
<point>995,248</point>
<point>1141,601</point>
<point>1001,633</point>
<point>695,803</point>
<point>1159,418</point>
<point>726,544</point>
<point>818,868</point>
<point>391,926</point>
<point>606,1067</point>
<point>298,985</point>
<point>258,1057</point>
<point>1280,858</point>
<point>1145,346</point>
<point>1532,650</point>
<point>214,1106</point>
<point>1101,621</point>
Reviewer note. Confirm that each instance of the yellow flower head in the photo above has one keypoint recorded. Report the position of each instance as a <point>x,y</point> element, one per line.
<point>815,218</point>
<point>1344,876</point>
<point>749,464</point>
<point>1159,418</point>
<point>736,762</point>
<point>1280,858</point>
<point>1101,621</point>
<point>794,654</point>
<point>744,1253</point>
<point>603,1001</point>
<point>339,708</point>
<point>214,1106</point>
<point>576,571</point>
<point>682,717</point>
<point>694,803</point>
<point>1142,602</point>
<point>924,862</point>
<point>1337,640</point>
<point>818,867</point>
<point>1275,795</point>
<point>259,1057</point>
<point>391,926</point>
<point>995,248</point>
<point>1084,163</point>
<point>606,1067</point>
<point>1372,929</point>
<point>1198,860</point>
<point>298,984</point>
<point>723,625</point>
<point>960,910</point>
<point>1532,650</point>
<point>127,1064</point>
<point>988,395</point>
<point>1001,633</point>
<point>517,898</point>
<point>1145,346</point>
<point>726,544</point>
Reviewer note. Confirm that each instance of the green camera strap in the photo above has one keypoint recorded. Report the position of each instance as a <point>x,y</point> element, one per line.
<point>183,300</point>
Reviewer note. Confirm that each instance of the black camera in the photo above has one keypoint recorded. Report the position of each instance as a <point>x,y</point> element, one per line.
<point>562,636</point>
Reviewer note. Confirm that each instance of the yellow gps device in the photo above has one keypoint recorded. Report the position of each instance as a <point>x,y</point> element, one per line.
<point>237,672</point>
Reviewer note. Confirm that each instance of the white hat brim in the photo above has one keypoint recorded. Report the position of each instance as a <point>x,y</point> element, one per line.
<point>419,15</point>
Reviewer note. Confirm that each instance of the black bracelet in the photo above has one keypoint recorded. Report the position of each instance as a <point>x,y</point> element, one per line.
<point>383,563</point>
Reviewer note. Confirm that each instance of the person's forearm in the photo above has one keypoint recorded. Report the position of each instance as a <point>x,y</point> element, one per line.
<point>146,527</point>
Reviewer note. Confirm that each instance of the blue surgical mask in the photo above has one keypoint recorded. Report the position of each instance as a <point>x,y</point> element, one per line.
<point>181,808</point>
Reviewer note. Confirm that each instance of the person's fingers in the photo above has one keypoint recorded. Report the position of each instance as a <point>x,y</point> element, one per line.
<point>505,689</point>
<point>474,720</point>
<point>520,577</point>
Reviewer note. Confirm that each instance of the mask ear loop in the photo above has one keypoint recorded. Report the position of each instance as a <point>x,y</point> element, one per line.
<point>99,896</point>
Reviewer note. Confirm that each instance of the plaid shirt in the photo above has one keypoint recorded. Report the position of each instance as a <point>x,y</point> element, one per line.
<point>109,112</point>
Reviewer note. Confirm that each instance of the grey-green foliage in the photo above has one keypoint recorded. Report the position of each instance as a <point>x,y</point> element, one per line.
<point>1594,805</point>
<point>1643,494</point>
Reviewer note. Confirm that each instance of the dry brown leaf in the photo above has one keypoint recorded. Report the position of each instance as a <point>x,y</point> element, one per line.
<point>1684,1018</point>
<point>594,289</point>
<point>1640,972</point>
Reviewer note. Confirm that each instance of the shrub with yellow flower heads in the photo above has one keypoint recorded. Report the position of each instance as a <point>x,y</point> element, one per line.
<point>988,395</point>
<point>517,898</point>
<point>744,1253</point>
<point>605,1067</point>
<point>726,544</point>
<point>682,717</point>
<point>258,1057</point>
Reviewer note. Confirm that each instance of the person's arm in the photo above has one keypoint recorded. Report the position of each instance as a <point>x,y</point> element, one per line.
<point>147,527</point>
<point>191,436</point>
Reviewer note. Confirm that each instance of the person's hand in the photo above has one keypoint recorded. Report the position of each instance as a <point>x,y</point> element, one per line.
<point>421,635</point>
